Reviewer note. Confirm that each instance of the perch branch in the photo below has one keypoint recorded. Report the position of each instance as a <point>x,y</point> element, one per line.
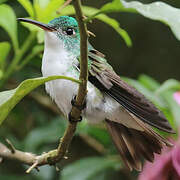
<point>82,91</point>
<point>54,156</point>
<point>45,102</point>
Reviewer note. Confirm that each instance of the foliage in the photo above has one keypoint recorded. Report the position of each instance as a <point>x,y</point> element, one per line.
<point>158,11</point>
<point>8,99</point>
<point>86,168</point>
<point>41,130</point>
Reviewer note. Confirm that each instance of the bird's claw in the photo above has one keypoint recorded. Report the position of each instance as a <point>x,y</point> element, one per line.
<point>72,119</point>
<point>80,107</point>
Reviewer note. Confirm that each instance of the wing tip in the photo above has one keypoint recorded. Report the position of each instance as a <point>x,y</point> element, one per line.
<point>167,129</point>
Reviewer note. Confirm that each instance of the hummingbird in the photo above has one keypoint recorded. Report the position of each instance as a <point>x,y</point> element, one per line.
<point>128,115</point>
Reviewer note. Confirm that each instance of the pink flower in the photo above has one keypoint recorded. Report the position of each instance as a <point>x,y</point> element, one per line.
<point>176,97</point>
<point>165,166</point>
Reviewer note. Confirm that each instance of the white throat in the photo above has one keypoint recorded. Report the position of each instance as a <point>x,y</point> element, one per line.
<point>56,60</point>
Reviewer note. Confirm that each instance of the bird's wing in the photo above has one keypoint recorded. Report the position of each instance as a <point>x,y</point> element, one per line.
<point>104,78</point>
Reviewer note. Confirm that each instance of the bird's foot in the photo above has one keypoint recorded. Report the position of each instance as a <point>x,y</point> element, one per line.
<point>73,120</point>
<point>73,102</point>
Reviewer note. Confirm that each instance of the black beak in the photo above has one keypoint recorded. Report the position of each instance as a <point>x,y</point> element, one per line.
<point>46,27</point>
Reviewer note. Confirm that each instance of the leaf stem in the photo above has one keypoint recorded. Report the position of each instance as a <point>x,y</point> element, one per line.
<point>29,57</point>
<point>88,19</point>
<point>20,53</point>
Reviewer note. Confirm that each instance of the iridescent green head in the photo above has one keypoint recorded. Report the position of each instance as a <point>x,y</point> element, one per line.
<point>65,28</point>
<point>67,24</point>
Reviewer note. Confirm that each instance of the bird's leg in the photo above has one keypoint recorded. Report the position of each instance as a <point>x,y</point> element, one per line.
<point>73,102</point>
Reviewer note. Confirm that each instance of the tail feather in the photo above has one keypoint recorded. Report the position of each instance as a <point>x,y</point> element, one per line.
<point>127,138</point>
<point>133,145</point>
<point>121,145</point>
<point>147,153</point>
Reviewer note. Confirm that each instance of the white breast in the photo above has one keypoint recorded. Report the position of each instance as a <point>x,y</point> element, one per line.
<point>56,61</point>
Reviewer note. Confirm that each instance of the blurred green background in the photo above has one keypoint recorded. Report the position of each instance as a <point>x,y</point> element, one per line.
<point>35,124</point>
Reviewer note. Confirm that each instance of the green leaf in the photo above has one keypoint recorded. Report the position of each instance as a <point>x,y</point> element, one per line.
<point>50,11</point>
<point>47,134</point>
<point>35,51</point>
<point>38,8</point>
<point>170,84</point>
<point>149,82</point>
<point>27,6</point>
<point>90,11</point>
<point>174,107</point>
<point>8,99</point>
<point>38,48</point>
<point>1,73</point>
<point>116,26</point>
<point>14,177</point>
<point>87,168</point>
<point>114,6</point>
<point>158,11</point>
<point>4,50</point>
<point>42,3</point>
<point>40,36</point>
<point>2,1</point>
<point>9,23</point>
<point>31,27</point>
<point>46,9</point>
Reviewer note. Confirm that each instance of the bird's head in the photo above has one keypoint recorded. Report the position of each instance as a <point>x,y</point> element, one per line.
<point>63,29</point>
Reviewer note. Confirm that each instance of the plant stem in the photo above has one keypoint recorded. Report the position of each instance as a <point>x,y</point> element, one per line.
<point>18,57</point>
<point>29,57</point>
<point>82,91</point>
<point>92,17</point>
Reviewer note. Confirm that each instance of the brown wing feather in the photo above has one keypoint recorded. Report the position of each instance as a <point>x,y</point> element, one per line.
<point>105,79</point>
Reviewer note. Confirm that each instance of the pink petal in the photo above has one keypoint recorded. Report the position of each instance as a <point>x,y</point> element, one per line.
<point>157,170</point>
<point>176,158</point>
<point>176,97</point>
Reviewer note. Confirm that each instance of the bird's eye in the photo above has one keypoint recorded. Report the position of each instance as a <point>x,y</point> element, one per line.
<point>70,31</point>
